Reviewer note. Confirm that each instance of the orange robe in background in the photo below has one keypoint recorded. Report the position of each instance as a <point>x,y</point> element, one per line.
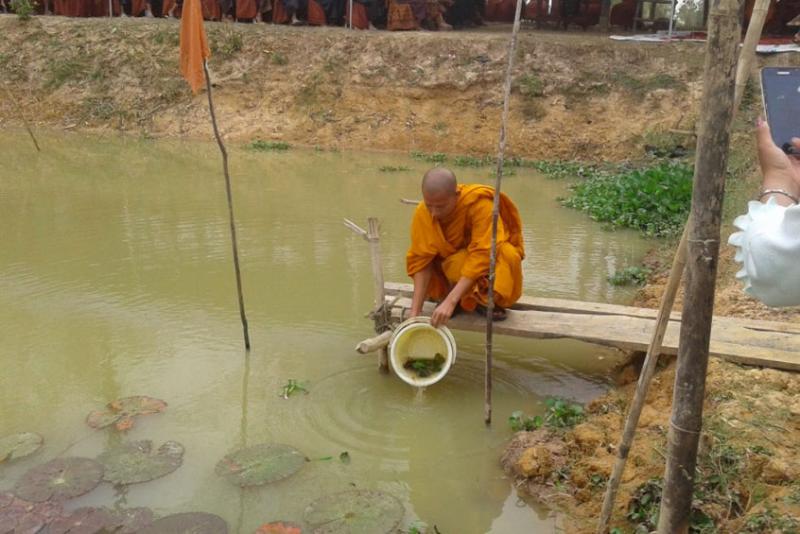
<point>460,247</point>
<point>246,9</point>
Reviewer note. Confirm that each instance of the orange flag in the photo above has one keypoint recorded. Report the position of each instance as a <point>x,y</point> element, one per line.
<point>194,45</point>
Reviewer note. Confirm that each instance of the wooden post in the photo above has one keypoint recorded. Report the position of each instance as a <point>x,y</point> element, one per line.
<point>649,368</point>
<point>24,120</point>
<point>701,266</point>
<point>501,152</point>
<point>748,52</point>
<point>381,320</point>
<point>379,313</point>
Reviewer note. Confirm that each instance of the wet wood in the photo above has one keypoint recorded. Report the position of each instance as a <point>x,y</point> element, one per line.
<point>379,313</point>
<point>381,341</point>
<point>746,341</point>
<point>713,144</point>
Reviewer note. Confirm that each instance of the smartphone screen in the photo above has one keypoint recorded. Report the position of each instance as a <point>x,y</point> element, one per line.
<point>780,88</point>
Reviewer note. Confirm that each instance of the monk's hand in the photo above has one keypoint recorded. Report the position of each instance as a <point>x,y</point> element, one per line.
<point>442,313</point>
<point>779,170</point>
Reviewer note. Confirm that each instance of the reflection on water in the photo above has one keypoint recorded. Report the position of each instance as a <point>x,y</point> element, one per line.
<point>116,280</point>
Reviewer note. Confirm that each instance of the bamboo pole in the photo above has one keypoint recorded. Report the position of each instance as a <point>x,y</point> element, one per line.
<point>234,244</point>
<point>374,239</point>
<point>701,266</point>
<point>501,152</point>
<point>649,368</point>
<point>748,51</point>
<point>379,313</point>
<point>24,120</point>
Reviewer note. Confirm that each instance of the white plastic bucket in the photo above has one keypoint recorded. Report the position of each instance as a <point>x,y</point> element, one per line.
<point>417,339</point>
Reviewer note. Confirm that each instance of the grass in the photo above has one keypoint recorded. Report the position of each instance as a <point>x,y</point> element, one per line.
<point>434,157</point>
<point>630,276</point>
<point>531,86</point>
<point>559,413</point>
<point>167,36</point>
<point>654,200</point>
<point>63,70</point>
<point>276,58</point>
<point>268,146</point>
<point>23,8</point>
<point>770,521</point>
<point>231,44</point>
<point>391,168</point>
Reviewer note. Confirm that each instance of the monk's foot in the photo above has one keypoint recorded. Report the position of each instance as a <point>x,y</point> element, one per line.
<point>149,14</point>
<point>498,314</point>
<point>296,21</point>
<point>371,27</point>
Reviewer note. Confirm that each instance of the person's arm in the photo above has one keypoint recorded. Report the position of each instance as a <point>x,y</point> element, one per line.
<point>768,240</point>
<point>780,172</point>
<point>445,309</point>
<point>422,280</point>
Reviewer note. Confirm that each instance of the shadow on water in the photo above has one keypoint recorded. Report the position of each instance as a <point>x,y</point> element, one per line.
<point>116,280</point>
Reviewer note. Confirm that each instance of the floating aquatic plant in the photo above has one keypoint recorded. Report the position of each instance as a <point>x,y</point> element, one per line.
<point>188,523</point>
<point>355,511</point>
<point>92,520</point>
<point>136,461</point>
<point>261,464</point>
<point>121,412</point>
<point>291,387</point>
<point>20,515</point>
<point>18,446</point>
<point>60,479</point>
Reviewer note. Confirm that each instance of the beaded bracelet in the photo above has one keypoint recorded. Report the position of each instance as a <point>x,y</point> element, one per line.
<point>766,192</point>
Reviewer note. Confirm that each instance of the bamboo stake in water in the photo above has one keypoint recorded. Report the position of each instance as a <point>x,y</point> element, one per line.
<point>234,244</point>
<point>24,120</point>
<point>512,48</point>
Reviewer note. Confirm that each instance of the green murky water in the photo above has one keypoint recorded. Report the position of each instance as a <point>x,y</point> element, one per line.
<point>116,280</point>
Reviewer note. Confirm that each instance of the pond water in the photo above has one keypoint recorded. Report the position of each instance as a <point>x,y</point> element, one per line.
<point>116,279</point>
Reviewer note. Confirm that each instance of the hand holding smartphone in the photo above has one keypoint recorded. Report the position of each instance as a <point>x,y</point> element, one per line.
<point>780,89</point>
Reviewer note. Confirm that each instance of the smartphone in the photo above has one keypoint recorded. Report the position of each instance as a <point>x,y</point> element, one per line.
<point>780,89</point>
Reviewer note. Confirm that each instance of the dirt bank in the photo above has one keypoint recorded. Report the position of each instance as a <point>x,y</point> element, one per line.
<point>575,94</point>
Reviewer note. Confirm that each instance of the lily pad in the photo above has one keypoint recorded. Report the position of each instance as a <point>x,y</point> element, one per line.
<point>121,412</point>
<point>355,512</point>
<point>279,527</point>
<point>18,516</point>
<point>59,479</point>
<point>101,520</point>
<point>136,461</point>
<point>18,446</point>
<point>261,464</point>
<point>188,523</point>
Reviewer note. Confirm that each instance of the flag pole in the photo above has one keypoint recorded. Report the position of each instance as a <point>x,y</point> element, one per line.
<point>234,244</point>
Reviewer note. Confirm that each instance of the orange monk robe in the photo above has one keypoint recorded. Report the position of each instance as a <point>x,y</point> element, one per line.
<point>460,246</point>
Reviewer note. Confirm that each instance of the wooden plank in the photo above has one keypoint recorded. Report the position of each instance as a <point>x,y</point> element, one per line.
<point>598,308</point>
<point>730,341</point>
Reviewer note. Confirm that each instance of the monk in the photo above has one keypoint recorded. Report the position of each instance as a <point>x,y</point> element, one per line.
<point>451,234</point>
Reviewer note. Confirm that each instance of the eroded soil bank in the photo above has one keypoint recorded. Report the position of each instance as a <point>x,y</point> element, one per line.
<point>576,96</point>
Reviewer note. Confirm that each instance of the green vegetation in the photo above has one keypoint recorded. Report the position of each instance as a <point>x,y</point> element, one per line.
<point>770,521</point>
<point>23,8</point>
<point>232,43</point>
<point>564,169</point>
<point>168,36</point>
<point>655,200</point>
<point>425,367</point>
<point>60,71</point>
<point>643,510</point>
<point>434,157</point>
<point>278,59</point>
<point>392,168</point>
<point>472,161</point>
<point>559,413</point>
<point>629,276</point>
<point>531,86</point>
<point>268,146</point>
<point>291,387</point>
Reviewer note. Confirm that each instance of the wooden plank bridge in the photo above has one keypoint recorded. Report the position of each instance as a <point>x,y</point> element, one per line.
<point>746,341</point>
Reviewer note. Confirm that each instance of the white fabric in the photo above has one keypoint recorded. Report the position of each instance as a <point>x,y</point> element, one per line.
<point>768,247</point>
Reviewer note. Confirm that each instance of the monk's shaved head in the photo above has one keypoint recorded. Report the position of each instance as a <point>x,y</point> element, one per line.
<point>439,180</point>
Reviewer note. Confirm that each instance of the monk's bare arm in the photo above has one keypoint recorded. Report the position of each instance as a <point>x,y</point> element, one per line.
<point>445,309</point>
<point>422,280</point>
